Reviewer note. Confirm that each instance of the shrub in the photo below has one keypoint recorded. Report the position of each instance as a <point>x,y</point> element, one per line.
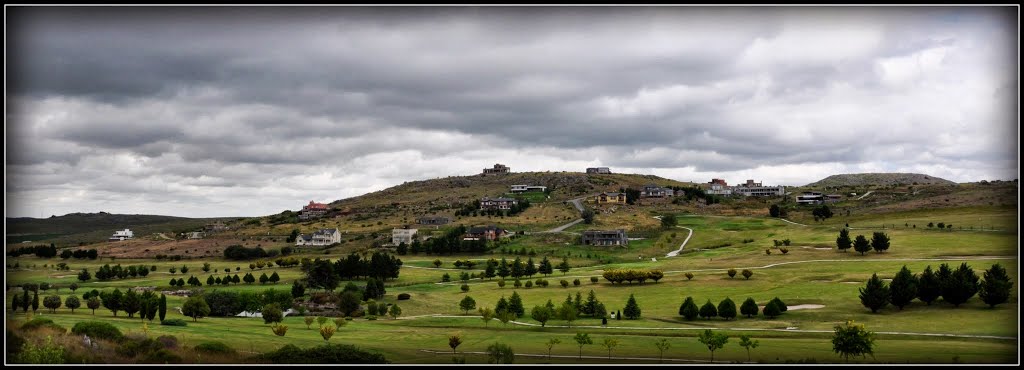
<point>593,279</point>
<point>732,273</point>
<point>689,276</point>
<point>529,284</point>
<point>783,250</point>
<point>576,282</point>
<point>174,322</point>
<point>97,329</point>
<point>325,354</point>
<point>162,356</point>
<point>214,347</point>
<point>168,341</point>
<point>403,296</point>
<point>42,322</point>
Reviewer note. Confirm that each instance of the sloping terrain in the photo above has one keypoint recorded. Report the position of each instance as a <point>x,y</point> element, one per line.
<point>878,179</point>
<point>72,228</point>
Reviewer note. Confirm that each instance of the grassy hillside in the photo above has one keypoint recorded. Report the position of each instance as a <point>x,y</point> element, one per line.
<point>861,179</point>
<point>70,229</point>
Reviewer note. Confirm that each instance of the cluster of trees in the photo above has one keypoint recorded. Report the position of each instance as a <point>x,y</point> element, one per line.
<point>41,251</point>
<point>692,193</point>
<point>941,225</point>
<point>106,272</point>
<point>322,274</point>
<point>821,212</point>
<point>880,242</point>
<point>776,211</point>
<point>629,275</point>
<point>283,262</point>
<point>473,209</point>
<point>238,252</point>
<point>80,254</point>
<point>449,243</point>
<point>953,286</point>
<point>518,268</point>
<point>726,309</point>
<point>226,303</point>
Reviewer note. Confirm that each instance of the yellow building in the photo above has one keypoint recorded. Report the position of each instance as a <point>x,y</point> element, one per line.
<point>611,198</point>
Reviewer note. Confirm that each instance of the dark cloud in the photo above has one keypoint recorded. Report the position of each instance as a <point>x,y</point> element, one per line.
<point>170,105</point>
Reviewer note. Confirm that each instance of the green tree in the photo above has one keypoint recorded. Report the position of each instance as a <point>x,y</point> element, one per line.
<point>52,302</point>
<point>732,273</point>
<point>747,274</point>
<point>746,343</point>
<point>861,244</point>
<point>962,286</point>
<point>588,216</point>
<point>486,314</point>
<point>610,344</point>
<point>515,305</point>
<point>130,303</point>
<point>749,307</point>
<point>551,344</point>
<point>163,307</point>
<point>568,313</point>
<point>395,311</point>
<point>929,288</point>
<point>327,332</point>
<point>467,303</point>
<point>35,302</point>
<point>843,242</point>
<point>851,340</point>
<point>879,242</point>
<point>541,314</point>
<point>903,288</point>
<point>545,267</point>
<point>454,341</point>
<point>309,321</point>
<point>500,353</point>
<point>632,308</point>
<point>708,310</point>
<point>264,278</point>
<point>727,309</point>
<point>771,310</point>
<point>669,221</point>
<point>582,339</point>
<point>875,295</point>
<point>195,307</point>
<point>112,301</point>
<point>773,211</point>
<point>93,303</point>
<point>996,287</point>
<point>298,290</point>
<point>564,266</point>
<point>713,341</point>
<point>689,309</point>
<point>72,302</point>
<point>84,275</point>
<point>272,313</point>
<point>663,346</point>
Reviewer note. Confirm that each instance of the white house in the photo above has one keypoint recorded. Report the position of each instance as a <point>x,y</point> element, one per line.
<point>122,235</point>
<point>319,237</point>
<point>399,236</point>
<point>526,188</point>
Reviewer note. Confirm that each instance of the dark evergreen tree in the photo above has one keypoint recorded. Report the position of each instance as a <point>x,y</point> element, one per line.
<point>929,288</point>
<point>963,285</point>
<point>875,295</point>
<point>996,287</point>
<point>515,305</point>
<point>632,308</point>
<point>749,307</point>
<point>903,288</point>
<point>689,309</point>
<point>708,310</point>
<point>727,309</point>
<point>843,242</point>
<point>861,244</point>
<point>879,242</point>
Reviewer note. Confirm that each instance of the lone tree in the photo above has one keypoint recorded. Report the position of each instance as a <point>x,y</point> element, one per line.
<point>843,242</point>
<point>500,353</point>
<point>486,314</point>
<point>746,343</point>
<point>875,295</point>
<point>610,344</point>
<point>632,309</point>
<point>582,339</point>
<point>588,216</point>
<point>879,242</point>
<point>564,266</point>
<point>732,273</point>
<point>466,304</point>
<point>995,289</point>
<point>773,210</point>
<point>663,346</point>
<point>747,274</point>
<point>929,288</point>
<point>669,221</point>
<point>962,285</point>
<point>713,341</point>
<point>852,340</point>
<point>454,341</point>
<point>749,307</point>
<point>903,288</point>
<point>551,343</point>
<point>708,310</point>
<point>727,309</point>
<point>195,307</point>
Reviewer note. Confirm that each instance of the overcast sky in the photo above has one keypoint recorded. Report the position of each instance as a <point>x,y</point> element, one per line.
<point>249,111</point>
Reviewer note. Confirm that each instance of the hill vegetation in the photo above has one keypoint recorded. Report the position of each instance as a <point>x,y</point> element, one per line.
<point>879,179</point>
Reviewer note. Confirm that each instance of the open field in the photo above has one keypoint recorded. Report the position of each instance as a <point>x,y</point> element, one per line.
<point>812,272</point>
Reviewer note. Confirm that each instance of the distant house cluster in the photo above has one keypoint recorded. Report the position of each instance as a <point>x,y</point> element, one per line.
<point>320,237</point>
<point>527,188</point>
<point>489,232</point>
<point>497,203</point>
<point>120,235</point>
<point>498,169</point>
<point>599,170</point>
<point>815,197</point>
<point>655,191</point>
<point>196,235</point>
<point>313,210</point>
<point>605,237</point>
<point>748,189</point>
<point>403,235</point>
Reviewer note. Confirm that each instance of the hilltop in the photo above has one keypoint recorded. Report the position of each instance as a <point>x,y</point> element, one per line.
<point>73,228</point>
<point>879,179</point>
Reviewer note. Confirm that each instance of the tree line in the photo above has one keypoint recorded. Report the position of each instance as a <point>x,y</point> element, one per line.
<point>953,286</point>
<point>323,274</point>
<point>880,242</point>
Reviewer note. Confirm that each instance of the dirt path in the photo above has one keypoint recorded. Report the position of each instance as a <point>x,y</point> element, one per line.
<point>794,223</point>
<point>164,236</point>
<point>865,194</point>
<point>677,251</point>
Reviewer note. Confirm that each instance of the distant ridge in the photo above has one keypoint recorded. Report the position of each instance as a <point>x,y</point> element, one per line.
<point>862,179</point>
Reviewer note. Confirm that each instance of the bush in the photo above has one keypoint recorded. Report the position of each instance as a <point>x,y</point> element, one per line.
<point>403,296</point>
<point>162,356</point>
<point>42,322</point>
<point>174,322</point>
<point>325,354</point>
<point>168,341</point>
<point>97,329</point>
<point>214,347</point>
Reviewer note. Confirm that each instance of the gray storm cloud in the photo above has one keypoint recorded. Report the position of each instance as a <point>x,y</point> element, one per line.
<point>195,111</point>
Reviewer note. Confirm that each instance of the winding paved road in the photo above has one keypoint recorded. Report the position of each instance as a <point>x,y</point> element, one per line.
<point>579,207</point>
<point>677,251</point>
<point>865,194</point>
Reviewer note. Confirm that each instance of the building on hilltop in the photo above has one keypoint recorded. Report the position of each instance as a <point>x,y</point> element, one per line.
<point>319,237</point>
<point>527,188</point>
<point>497,170</point>
<point>655,191</point>
<point>403,235</point>
<point>599,170</point>
<point>489,232</point>
<point>497,203</point>
<point>751,188</point>
<point>718,181</point>
<point>313,210</point>
<point>605,237</point>
<point>120,235</point>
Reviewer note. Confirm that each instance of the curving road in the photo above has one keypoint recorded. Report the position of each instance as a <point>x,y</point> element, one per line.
<point>579,207</point>
<point>677,251</point>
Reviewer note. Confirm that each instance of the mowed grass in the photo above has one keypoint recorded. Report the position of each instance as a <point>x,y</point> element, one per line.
<point>805,275</point>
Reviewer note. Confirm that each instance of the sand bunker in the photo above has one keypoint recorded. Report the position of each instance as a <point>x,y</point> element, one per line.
<point>806,307</point>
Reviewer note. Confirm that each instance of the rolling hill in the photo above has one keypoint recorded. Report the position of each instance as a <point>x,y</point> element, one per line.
<point>73,228</point>
<point>878,179</point>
